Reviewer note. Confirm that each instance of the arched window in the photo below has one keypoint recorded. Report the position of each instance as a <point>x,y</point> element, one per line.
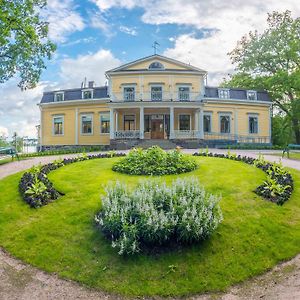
<point>156,65</point>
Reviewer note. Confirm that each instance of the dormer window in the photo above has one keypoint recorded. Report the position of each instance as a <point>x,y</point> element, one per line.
<point>224,93</point>
<point>156,65</point>
<point>251,95</point>
<point>59,96</point>
<point>87,94</point>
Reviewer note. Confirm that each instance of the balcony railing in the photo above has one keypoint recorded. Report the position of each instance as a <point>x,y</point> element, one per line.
<point>155,96</point>
<point>238,138</point>
<point>186,134</point>
<point>127,134</point>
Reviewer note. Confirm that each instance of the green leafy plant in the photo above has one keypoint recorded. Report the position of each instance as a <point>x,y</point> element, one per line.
<point>155,214</point>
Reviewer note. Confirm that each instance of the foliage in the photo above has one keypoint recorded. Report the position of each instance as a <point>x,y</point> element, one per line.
<point>154,214</point>
<point>23,41</point>
<point>253,237</point>
<point>35,187</point>
<point>155,161</point>
<point>279,185</point>
<point>282,131</point>
<point>271,61</point>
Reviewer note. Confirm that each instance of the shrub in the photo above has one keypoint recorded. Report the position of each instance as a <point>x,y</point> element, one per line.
<point>155,161</point>
<point>154,214</point>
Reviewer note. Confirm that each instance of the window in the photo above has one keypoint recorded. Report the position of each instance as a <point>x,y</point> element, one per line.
<point>184,122</point>
<point>207,123</point>
<point>251,95</point>
<point>156,66</point>
<point>104,123</point>
<point>225,124</point>
<point>58,125</point>
<point>86,124</point>
<point>156,93</point>
<point>59,97</point>
<point>147,123</point>
<point>253,124</point>
<point>87,94</point>
<point>129,93</point>
<point>184,93</point>
<point>129,122</point>
<point>224,93</point>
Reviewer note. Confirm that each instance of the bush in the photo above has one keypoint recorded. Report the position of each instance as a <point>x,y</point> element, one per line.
<point>154,214</point>
<point>155,161</point>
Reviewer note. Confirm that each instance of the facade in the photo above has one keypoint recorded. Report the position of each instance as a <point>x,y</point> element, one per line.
<point>154,99</point>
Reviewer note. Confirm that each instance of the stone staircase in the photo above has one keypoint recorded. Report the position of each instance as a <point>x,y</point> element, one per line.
<point>164,144</point>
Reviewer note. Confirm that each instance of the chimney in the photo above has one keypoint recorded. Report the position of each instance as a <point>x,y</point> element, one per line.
<point>91,84</point>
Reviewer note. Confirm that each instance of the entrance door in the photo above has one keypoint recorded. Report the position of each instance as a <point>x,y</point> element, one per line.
<point>157,129</point>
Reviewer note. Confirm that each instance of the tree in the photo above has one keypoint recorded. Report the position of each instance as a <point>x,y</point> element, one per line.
<point>24,45</point>
<point>271,60</point>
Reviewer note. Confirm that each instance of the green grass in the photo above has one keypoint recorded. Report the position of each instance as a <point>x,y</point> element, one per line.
<point>61,237</point>
<point>5,161</point>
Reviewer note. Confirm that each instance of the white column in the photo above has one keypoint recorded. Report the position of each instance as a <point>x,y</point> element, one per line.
<point>117,121</point>
<point>76,126</point>
<point>112,124</point>
<point>141,122</point>
<point>196,127</point>
<point>200,124</point>
<point>171,122</point>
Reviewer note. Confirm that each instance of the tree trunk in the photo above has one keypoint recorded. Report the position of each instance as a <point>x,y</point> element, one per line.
<point>296,128</point>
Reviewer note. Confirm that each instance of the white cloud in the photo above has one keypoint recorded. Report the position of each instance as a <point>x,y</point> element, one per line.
<point>128,30</point>
<point>63,19</point>
<point>92,66</point>
<point>222,23</point>
<point>3,132</point>
<point>99,21</point>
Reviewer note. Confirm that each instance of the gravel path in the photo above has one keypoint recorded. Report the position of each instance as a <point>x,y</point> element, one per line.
<point>19,281</point>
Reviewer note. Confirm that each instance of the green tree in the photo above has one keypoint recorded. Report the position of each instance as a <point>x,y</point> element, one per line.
<point>24,45</point>
<point>271,60</point>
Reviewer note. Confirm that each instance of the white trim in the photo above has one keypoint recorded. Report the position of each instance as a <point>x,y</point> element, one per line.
<point>92,125</point>
<point>101,114</point>
<point>134,91</point>
<point>224,90</point>
<point>63,124</point>
<point>184,86</point>
<point>87,90</point>
<point>156,61</point>
<point>225,114</point>
<point>162,91</point>
<point>79,101</point>
<point>242,101</point>
<point>250,115</point>
<point>183,114</point>
<point>59,93</point>
<point>251,91</point>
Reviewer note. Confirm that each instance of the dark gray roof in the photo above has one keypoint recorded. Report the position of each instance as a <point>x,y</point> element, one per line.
<point>212,92</point>
<point>75,94</point>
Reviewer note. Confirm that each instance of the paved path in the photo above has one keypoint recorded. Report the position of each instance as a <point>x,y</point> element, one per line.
<point>19,281</point>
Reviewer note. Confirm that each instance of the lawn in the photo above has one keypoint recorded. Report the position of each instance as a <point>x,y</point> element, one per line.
<point>61,237</point>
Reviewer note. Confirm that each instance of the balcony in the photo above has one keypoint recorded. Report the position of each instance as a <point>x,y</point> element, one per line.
<point>156,96</point>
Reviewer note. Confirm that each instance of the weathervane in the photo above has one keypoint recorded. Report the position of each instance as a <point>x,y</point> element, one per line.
<point>155,44</point>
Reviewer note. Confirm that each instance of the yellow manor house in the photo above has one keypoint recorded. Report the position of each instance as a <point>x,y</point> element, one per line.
<point>154,100</point>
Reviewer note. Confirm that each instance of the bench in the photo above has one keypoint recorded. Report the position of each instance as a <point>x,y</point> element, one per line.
<point>288,148</point>
<point>8,152</point>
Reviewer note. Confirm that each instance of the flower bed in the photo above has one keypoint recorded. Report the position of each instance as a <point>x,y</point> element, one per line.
<point>154,214</point>
<point>35,187</point>
<point>155,161</point>
<point>279,184</point>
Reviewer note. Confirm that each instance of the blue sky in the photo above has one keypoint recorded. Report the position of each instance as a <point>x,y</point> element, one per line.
<point>93,36</point>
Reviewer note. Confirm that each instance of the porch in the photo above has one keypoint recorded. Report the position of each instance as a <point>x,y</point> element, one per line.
<point>164,123</point>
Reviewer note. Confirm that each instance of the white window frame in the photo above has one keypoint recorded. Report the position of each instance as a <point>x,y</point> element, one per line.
<point>230,123</point>
<point>189,92</point>
<point>255,95</point>
<point>162,92</point>
<point>225,91</point>
<point>63,125</point>
<point>129,114</point>
<point>86,115</point>
<point>59,93</point>
<point>87,90</point>
<point>182,114</point>
<point>253,116</point>
<point>205,114</point>
<point>156,61</point>
<point>129,86</point>
<point>100,115</point>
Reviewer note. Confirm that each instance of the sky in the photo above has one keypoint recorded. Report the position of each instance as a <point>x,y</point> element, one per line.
<point>93,36</point>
